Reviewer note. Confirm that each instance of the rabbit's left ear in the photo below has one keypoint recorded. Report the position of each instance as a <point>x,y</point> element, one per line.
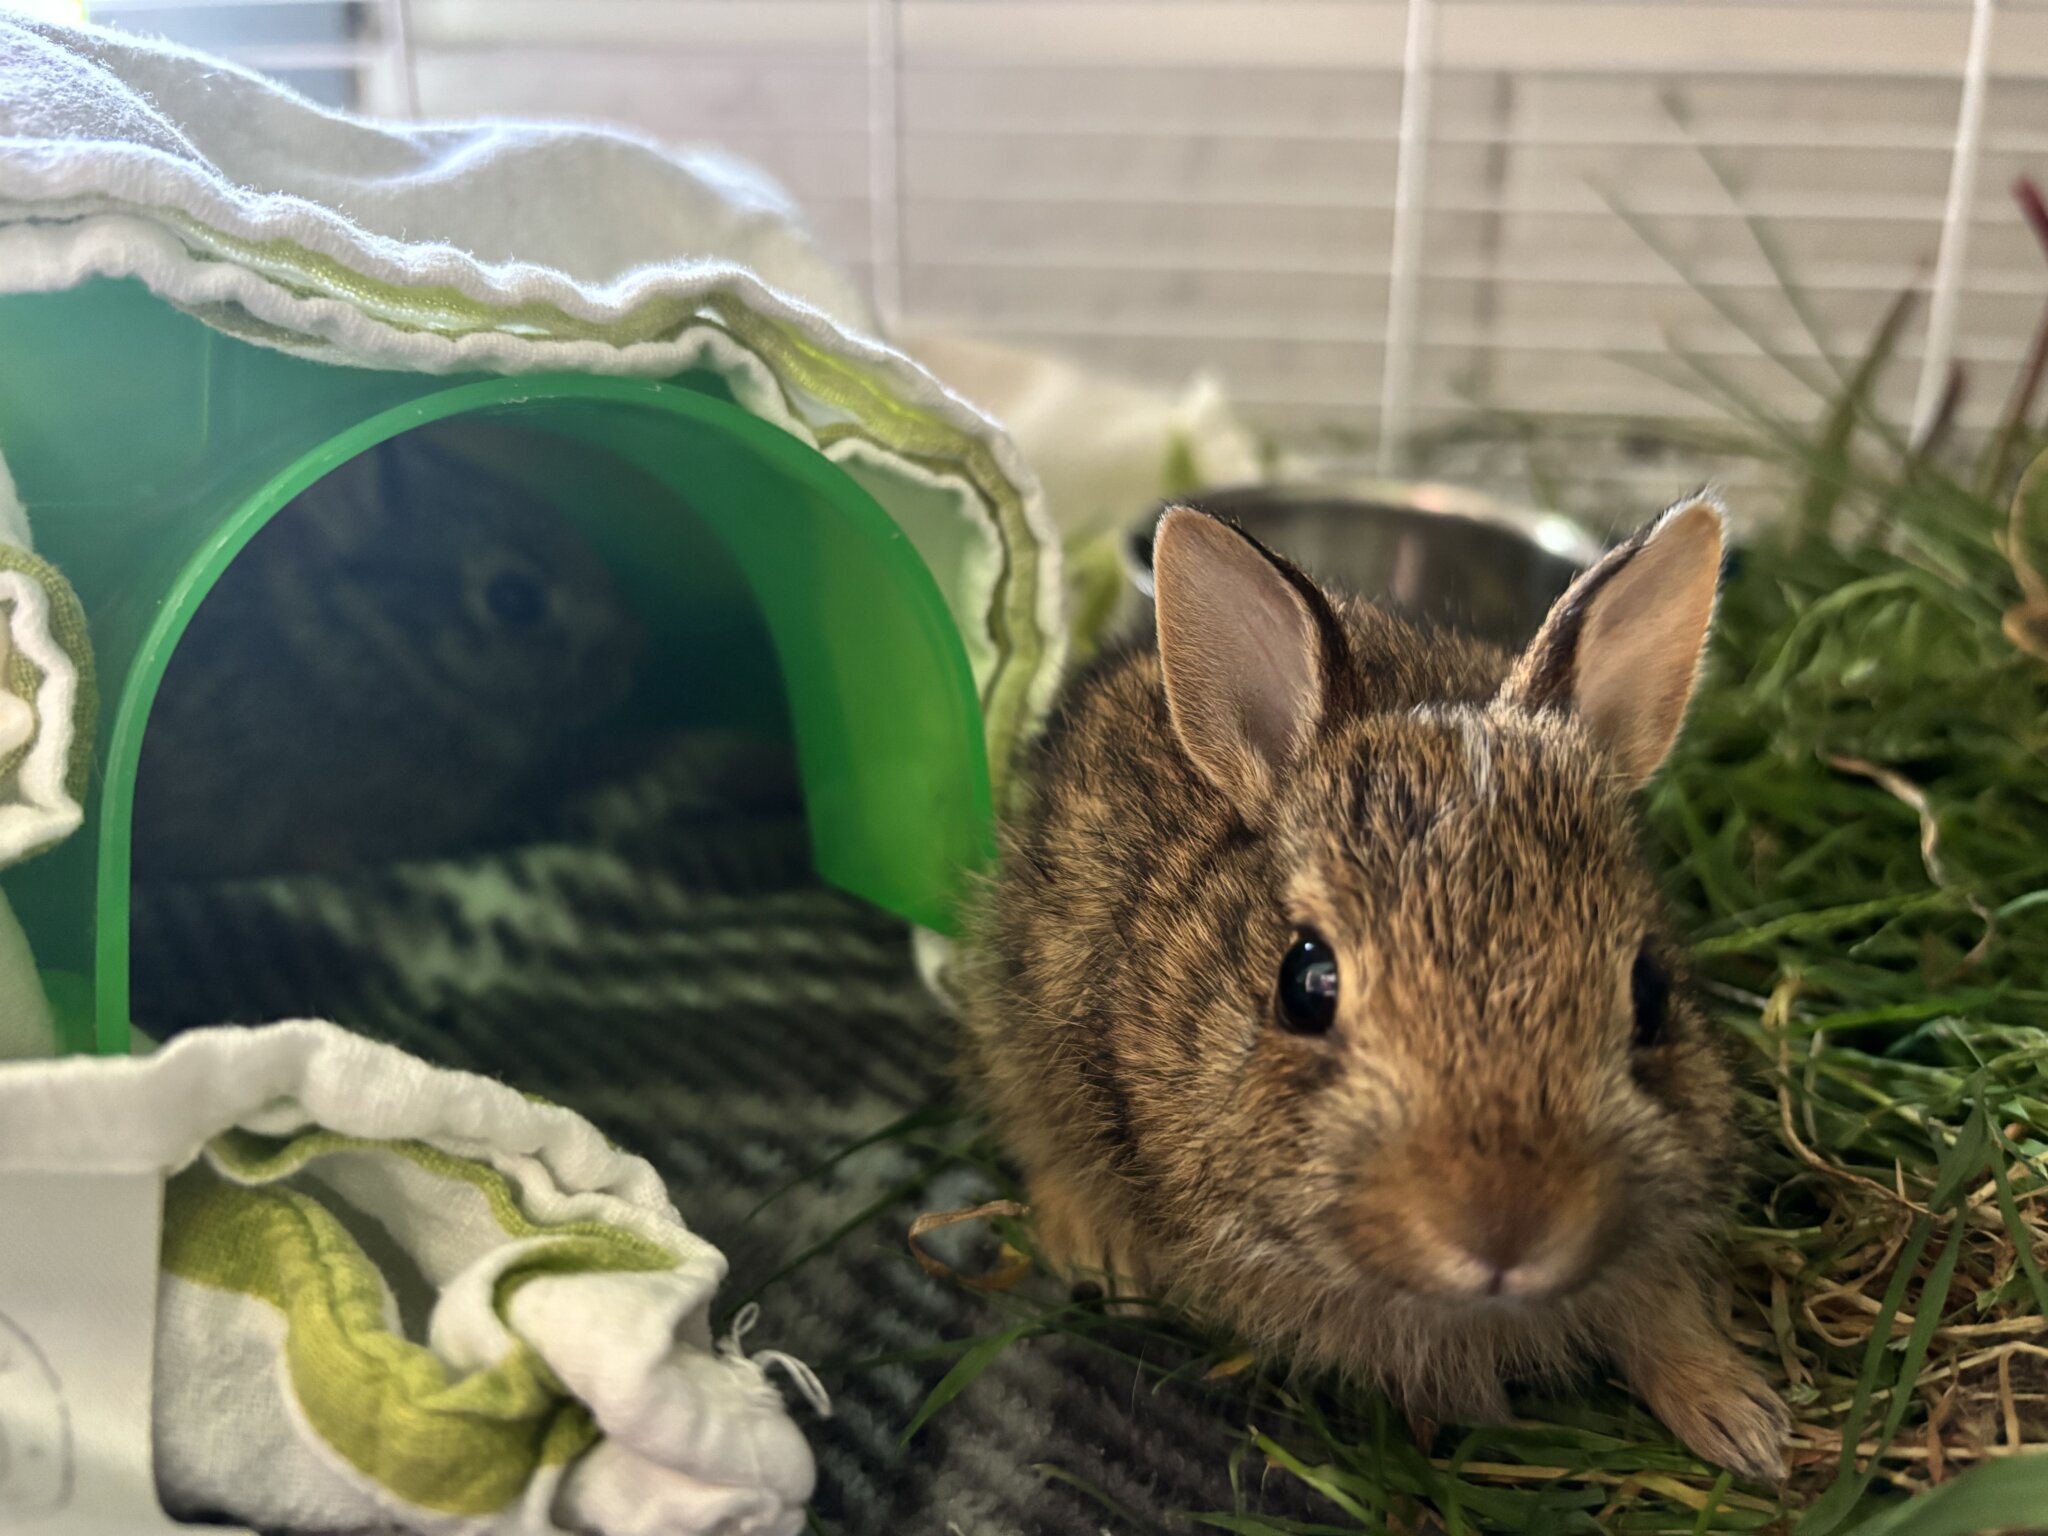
<point>1247,650</point>
<point>1621,649</point>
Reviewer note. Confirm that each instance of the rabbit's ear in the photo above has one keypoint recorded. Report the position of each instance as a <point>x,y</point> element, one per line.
<point>1622,648</point>
<point>1247,645</point>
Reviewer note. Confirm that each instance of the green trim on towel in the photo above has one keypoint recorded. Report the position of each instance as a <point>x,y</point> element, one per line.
<point>387,1406</point>
<point>22,677</point>
<point>251,1159</point>
<point>438,310</point>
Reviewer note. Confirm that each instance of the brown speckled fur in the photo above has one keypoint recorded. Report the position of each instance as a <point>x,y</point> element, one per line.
<point>1474,861</point>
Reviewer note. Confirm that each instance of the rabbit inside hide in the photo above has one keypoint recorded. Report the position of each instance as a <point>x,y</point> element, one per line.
<point>383,673</point>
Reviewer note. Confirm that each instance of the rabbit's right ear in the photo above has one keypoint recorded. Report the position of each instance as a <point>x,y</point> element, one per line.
<point>1621,650</point>
<point>1247,644</point>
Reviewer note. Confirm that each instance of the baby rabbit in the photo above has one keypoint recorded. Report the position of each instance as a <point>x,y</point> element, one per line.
<point>381,673</point>
<point>1323,989</point>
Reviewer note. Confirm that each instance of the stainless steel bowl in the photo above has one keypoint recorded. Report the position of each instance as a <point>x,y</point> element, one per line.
<point>1435,552</point>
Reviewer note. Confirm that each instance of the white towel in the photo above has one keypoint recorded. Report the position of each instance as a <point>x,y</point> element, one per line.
<point>395,1295</point>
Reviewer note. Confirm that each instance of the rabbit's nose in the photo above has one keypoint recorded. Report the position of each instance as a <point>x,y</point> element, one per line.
<point>1500,1230</point>
<point>1521,1243</point>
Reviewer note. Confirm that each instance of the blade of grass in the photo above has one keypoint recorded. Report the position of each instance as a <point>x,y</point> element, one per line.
<point>1082,1485</point>
<point>1318,1478</point>
<point>1830,478</point>
<point>925,1118</point>
<point>2015,1227</point>
<point>2019,403</point>
<point>1254,1525</point>
<point>2009,1495</point>
<point>1766,243</point>
<point>1960,1167</point>
<point>845,1229</point>
<point>1642,229</point>
<point>965,1372</point>
<point>1715,1495</point>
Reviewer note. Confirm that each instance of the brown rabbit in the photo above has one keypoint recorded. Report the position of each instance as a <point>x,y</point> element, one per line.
<point>1324,991</point>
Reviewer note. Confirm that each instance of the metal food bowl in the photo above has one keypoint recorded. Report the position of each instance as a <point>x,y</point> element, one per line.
<point>1433,552</point>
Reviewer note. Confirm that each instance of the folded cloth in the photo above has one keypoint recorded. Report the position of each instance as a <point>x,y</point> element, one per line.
<point>395,1295</point>
<point>511,248</point>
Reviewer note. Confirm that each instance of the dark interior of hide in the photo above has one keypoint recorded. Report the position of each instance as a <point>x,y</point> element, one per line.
<point>425,654</point>
<point>433,765</point>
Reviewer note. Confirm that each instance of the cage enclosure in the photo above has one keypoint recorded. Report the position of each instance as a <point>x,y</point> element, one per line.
<point>775,594</point>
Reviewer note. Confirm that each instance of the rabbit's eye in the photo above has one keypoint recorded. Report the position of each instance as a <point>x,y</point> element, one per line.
<point>1307,999</point>
<point>1649,989</point>
<point>516,601</point>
